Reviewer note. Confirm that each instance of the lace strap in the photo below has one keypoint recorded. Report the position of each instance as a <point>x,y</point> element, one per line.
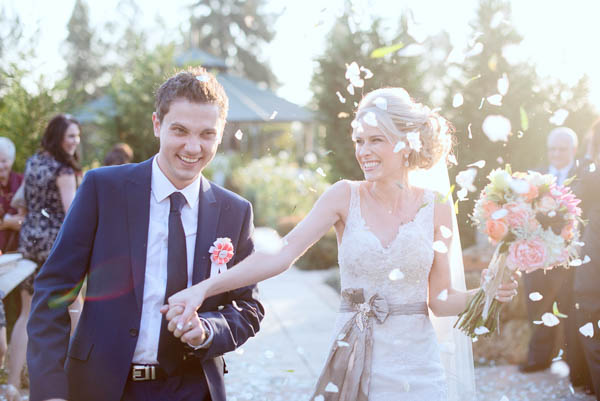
<point>354,207</point>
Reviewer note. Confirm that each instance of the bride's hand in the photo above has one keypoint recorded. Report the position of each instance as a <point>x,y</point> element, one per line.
<point>506,291</point>
<point>184,304</point>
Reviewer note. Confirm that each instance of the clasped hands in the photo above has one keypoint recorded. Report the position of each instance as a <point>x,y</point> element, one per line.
<point>184,322</point>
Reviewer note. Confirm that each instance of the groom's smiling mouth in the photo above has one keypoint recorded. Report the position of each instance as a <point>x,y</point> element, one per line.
<point>188,160</point>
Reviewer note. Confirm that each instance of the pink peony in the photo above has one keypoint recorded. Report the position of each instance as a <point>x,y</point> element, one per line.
<point>547,204</point>
<point>518,216</point>
<point>526,255</point>
<point>496,229</point>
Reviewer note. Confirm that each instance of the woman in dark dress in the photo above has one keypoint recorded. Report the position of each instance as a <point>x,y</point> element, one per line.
<point>51,178</point>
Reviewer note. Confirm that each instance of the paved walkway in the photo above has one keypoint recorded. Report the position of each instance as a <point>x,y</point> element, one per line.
<point>284,360</point>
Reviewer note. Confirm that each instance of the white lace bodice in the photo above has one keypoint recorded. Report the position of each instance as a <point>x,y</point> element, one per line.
<point>366,263</point>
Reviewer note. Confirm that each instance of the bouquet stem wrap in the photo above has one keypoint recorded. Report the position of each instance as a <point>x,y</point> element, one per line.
<point>482,315</point>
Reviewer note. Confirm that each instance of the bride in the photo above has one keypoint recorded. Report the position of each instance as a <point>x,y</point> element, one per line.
<point>396,259</point>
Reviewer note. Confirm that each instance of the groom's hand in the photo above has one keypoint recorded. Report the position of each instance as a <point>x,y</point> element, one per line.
<point>192,333</point>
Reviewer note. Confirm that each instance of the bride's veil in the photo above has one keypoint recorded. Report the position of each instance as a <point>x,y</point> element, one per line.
<point>456,348</point>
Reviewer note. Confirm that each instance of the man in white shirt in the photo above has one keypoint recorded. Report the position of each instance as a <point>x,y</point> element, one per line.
<point>555,285</point>
<point>140,233</point>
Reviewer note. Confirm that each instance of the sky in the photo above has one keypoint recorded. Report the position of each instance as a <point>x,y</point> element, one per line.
<point>559,36</point>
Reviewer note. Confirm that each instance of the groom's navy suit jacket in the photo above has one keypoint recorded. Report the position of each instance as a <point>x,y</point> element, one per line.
<point>104,236</point>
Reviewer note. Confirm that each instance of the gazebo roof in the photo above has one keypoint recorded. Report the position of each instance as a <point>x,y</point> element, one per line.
<point>248,103</point>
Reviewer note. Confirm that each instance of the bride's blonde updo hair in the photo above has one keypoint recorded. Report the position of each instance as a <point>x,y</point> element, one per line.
<point>398,115</point>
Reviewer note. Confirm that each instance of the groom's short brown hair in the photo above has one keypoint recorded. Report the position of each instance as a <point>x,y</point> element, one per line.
<point>194,84</point>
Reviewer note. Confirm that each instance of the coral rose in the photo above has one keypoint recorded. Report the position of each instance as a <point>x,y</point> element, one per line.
<point>526,255</point>
<point>518,216</point>
<point>489,207</point>
<point>496,229</point>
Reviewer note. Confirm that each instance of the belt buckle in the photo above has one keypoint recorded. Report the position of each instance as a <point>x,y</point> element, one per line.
<point>143,373</point>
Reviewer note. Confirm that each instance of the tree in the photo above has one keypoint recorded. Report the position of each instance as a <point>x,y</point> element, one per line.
<point>233,30</point>
<point>528,104</point>
<point>83,58</point>
<point>345,46</point>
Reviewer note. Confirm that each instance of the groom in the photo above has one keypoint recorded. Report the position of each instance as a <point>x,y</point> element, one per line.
<point>140,233</point>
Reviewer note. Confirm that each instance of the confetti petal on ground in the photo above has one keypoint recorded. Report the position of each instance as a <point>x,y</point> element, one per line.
<point>496,128</point>
<point>239,135</point>
<point>396,274</point>
<point>381,102</point>
<point>443,296</point>
<point>559,117</point>
<point>331,388</point>
<point>370,119</point>
<point>495,100</point>
<point>481,330</point>
<point>440,247</point>
<point>480,164</point>
<point>549,319</point>
<point>587,330</point>
<point>341,98</point>
<point>458,100</point>
<point>535,296</point>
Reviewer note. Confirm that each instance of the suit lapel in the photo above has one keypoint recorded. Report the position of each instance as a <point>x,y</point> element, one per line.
<point>208,219</point>
<point>138,216</point>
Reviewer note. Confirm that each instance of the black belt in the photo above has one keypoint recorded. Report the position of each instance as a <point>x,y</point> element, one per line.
<point>141,372</point>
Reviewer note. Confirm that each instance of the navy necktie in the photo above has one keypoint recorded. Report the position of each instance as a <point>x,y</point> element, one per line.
<point>170,348</point>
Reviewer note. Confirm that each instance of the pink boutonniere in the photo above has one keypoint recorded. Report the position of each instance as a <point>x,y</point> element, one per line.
<point>221,253</point>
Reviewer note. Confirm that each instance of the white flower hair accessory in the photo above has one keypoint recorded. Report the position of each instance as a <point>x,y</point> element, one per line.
<point>221,253</point>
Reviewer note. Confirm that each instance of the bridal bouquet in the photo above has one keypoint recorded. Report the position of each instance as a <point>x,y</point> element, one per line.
<point>534,223</point>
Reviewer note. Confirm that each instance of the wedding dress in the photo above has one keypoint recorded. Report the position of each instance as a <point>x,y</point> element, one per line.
<point>384,314</point>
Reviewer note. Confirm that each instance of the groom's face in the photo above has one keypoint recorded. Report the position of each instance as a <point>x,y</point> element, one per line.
<point>189,135</point>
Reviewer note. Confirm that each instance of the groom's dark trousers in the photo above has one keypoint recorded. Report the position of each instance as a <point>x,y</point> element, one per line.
<point>104,238</point>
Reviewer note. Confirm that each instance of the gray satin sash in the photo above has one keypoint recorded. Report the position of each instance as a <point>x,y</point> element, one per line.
<point>347,372</point>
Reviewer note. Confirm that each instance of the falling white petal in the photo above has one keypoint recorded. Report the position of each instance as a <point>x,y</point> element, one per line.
<point>440,247</point>
<point>465,179</point>
<point>549,319</point>
<point>587,329</point>
<point>592,167</point>
<point>352,70</point>
<point>319,398</point>
<point>45,213</point>
<point>381,102</point>
<point>414,140</point>
<point>458,100</point>
<point>342,344</point>
<point>350,89</point>
<point>537,322</point>
<point>481,330</point>
<point>321,172</point>
<point>560,368</point>
<point>412,50</point>
<point>341,98</point>
<point>396,274</point>
<point>239,135</point>
<point>496,128</point>
<point>399,146</point>
<point>495,100</point>
<point>475,50</point>
<point>480,164</point>
<point>469,130</point>
<point>535,296</point>
<point>559,117</point>
<point>370,119</point>
<point>452,159</point>
<point>273,115</point>
<point>575,262</point>
<point>503,85</point>
<point>586,259</point>
<point>310,158</point>
<point>368,73</point>
<point>519,186</point>
<point>496,20</point>
<point>443,296</point>
<point>331,388</point>
<point>357,82</point>
<point>481,103</point>
<point>446,232</point>
<point>462,194</point>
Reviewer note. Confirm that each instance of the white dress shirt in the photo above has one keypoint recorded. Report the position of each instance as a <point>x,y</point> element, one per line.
<point>155,283</point>
<point>562,174</point>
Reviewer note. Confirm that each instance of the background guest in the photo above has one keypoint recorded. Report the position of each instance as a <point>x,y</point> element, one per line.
<point>587,276</point>
<point>554,285</point>
<point>51,178</point>
<point>121,153</point>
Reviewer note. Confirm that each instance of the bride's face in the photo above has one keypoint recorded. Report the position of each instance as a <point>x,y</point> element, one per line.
<point>375,154</point>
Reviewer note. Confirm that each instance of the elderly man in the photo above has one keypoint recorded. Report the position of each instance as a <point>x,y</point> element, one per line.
<point>554,285</point>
